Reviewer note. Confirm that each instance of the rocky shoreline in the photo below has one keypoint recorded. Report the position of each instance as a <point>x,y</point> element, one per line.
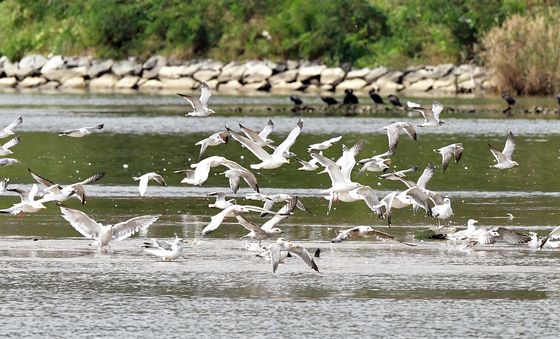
<point>159,74</point>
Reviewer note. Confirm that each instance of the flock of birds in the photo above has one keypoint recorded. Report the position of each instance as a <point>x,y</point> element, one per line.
<point>271,156</point>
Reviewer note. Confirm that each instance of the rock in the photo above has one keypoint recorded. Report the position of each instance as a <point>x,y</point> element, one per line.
<point>212,84</point>
<point>173,72</point>
<point>78,62</point>
<point>466,86</point>
<point>126,67</point>
<point>155,61</point>
<point>312,89</point>
<point>129,81</point>
<point>332,76</point>
<point>375,74</point>
<point>75,82</point>
<point>151,85</point>
<point>100,68</point>
<point>385,85</point>
<point>61,75</point>
<point>31,82</point>
<point>81,70</point>
<point>105,81</point>
<point>358,73</point>
<point>292,65</point>
<point>310,72</point>
<point>415,76</point>
<point>444,82</point>
<point>8,82</point>
<point>211,65</point>
<point>284,77</point>
<point>10,68</point>
<point>35,62</point>
<point>423,85</point>
<point>393,76</point>
<point>256,86</point>
<point>442,71</point>
<point>232,71</point>
<point>232,85</point>
<point>206,74</point>
<point>285,87</point>
<point>256,72</point>
<point>50,85</point>
<point>55,63</point>
<point>181,84</point>
<point>354,84</point>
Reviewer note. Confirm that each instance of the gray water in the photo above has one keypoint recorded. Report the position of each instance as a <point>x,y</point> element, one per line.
<point>53,283</point>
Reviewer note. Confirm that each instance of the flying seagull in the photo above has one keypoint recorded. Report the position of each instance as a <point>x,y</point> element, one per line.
<point>321,146</point>
<point>103,234</point>
<point>393,131</point>
<point>449,152</point>
<point>260,138</point>
<point>364,232</point>
<point>221,202</point>
<point>431,117</point>
<point>28,204</point>
<point>79,132</point>
<point>284,245</point>
<point>5,149</point>
<point>143,184</point>
<point>213,140</point>
<point>503,158</point>
<point>57,192</point>
<point>228,212</point>
<point>200,105</point>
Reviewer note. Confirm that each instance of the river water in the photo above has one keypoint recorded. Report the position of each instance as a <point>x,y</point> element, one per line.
<point>54,284</point>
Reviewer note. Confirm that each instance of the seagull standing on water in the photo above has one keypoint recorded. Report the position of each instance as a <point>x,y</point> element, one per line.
<point>200,105</point>
<point>143,184</point>
<point>503,158</point>
<point>166,250</point>
<point>79,132</point>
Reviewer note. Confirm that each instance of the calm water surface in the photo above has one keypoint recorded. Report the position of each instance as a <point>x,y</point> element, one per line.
<point>54,284</point>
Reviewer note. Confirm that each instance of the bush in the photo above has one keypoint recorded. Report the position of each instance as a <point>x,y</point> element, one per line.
<point>524,53</point>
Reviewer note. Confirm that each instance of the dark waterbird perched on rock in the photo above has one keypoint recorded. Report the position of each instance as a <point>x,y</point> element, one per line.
<point>510,102</point>
<point>350,98</point>
<point>558,99</point>
<point>393,99</point>
<point>296,100</point>
<point>329,101</point>
<point>375,97</point>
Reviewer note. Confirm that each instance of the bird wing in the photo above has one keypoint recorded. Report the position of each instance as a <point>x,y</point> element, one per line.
<point>437,108</point>
<point>125,229</point>
<point>386,236</point>
<point>205,94</point>
<point>282,214</point>
<point>458,152</point>
<point>44,181</point>
<point>426,175</point>
<point>275,250</point>
<point>194,102</point>
<point>160,180</point>
<point>510,236</point>
<point>253,135</point>
<point>445,158</point>
<point>369,196</point>
<point>248,225</point>
<point>267,129</point>
<point>14,124</point>
<point>410,131</point>
<point>284,147</point>
<point>257,150</point>
<point>304,255</point>
<point>11,143</point>
<point>100,126</point>
<point>87,227</point>
<point>217,220</point>
<point>509,146</point>
<point>91,179</point>
<point>420,198</point>
<point>497,154</point>
<point>333,169</point>
<point>346,234</point>
<point>392,136</point>
<point>143,185</point>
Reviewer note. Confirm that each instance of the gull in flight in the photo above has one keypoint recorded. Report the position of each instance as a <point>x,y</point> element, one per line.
<point>230,212</point>
<point>280,154</point>
<point>339,182</point>
<point>221,202</point>
<point>28,204</point>
<point>376,163</point>
<point>308,166</point>
<point>503,159</point>
<point>260,138</point>
<point>398,175</point>
<point>268,229</point>
<point>79,132</point>
<point>552,240</point>
<point>143,185</point>
<point>448,152</point>
<point>348,159</point>
<point>167,250</point>
<point>235,173</point>
<point>393,131</point>
<point>200,106</point>
<point>364,232</point>
<point>324,145</point>
<point>483,236</point>
<point>5,149</point>
<point>270,200</point>
<point>414,196</point>
<point>9,162</point>
<point>8,130</point>
<point>103,234</point>
<point>284,245</point>
<point>431,117</point>
<point>213,140</point>
<point>56,192</point>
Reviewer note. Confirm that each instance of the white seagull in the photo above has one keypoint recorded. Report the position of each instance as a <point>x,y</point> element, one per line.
<point>167,250</point>
<point>200,106</point>
<point>143,184</point>
<point>59,193</point>
<point>7,131</point>
<point>79,132</point>
<point>280,154</point>
<point>364,232</point>
<point>270,200</point>
<point>229,212</point>
<point>308,166</point>
<point>5,149</point>
<point>393,131</point>
<point>103,234</point>
<point>431,117</point>
<point>503,159</point>
<point>284,245</point>
<point>323,145</point>
<point>449,152</point>
<point>28,204</point>
<point>9,162</point>
<point>221,202</point>
<point>260,138</point>
<point>463,234</point>
<point>339,182</point>
<point>213,140</point>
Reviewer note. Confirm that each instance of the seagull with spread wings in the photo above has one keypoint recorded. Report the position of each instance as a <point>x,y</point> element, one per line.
<point>79,132</point>
<point>503,158</point>
<point>199,105</point>
<point>143,181</point>
<point>167,250</point>
<point>103,234</point>
<point>230,212</point>
<point>321,146</point>
<point>364,232</point>
<point>260,138</point>
<point>28,204</point>
<point>221,202</point>
<point>449,152</point>
<point>8,130</point>
<point>5,148</point>
<point>213,140</point>
<point>59,193</point>
<point>393,131</point>
<point>298,250</point>
<point>431,117</point>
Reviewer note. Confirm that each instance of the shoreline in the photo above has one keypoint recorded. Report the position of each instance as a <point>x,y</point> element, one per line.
<point>159,75</point>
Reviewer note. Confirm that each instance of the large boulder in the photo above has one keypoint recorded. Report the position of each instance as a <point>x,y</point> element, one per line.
<point>284,77</point>
<point>100,68</point>
<point>415,76</point>
<point>128,82</point>
<point>107,80</point>
<point>353,84</point>
<point>230,86</point>
<point>232,71</point>
<point>358,73</point>
<point>126,67</point>
<point>423,85</point>
<point>256,72</point>
<point>154,62</point>
<point>181,84</point>
<point>375,74</point>
<point>386,85</point>
<point>151,85</point>
<point>8,82</point>
<point>61,75</point>
<point>72,62</point>
<point>286,87</point>
<point>307,73</point>
<point>54,63</point>
<point>75,82</point>
<point>35,62</point>
<point>31,82</point>
<point>206,74</point>
<point>332,76</point>
<point>441,71</point>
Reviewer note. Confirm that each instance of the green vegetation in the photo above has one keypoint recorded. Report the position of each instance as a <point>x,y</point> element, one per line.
<point>359,32</point>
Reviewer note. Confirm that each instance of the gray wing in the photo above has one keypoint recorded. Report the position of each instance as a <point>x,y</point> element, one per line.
<point>445,158</point>
<point>371,199</point>
<point>257,150</point>
<point>217,220</point>
<point>275,250</point>
<point>125,229</point>
<point>334,171</point>
<point>250,133</point>
<point>304,255</point>
<point>284,147</point>
<point>14,124</point>
<point>44,181</point>
<point>393,136</point>
<point>458,152</point>
<point>426,175</point>
<point>267,130</point>
<point>509,236</point>
<point>346,234</point>
<point>91,179</point>
<point>87,227</point>
<point>410,131</point>
<point>282,214</point>
<point>437,108</point>
<point>420,198</point>
<point>195,103</point>
<point>159,179</point>
<point>386,236</point>
<point>497,154</point>
<point>205,94</point>
<point>509,147</point>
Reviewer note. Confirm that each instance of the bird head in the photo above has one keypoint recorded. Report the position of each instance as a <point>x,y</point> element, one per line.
<point>276,230</point>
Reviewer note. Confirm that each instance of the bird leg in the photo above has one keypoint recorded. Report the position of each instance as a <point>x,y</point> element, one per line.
<point>21,215</point>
